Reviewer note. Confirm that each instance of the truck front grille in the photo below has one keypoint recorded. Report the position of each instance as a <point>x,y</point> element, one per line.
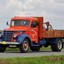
<point>7,36</point>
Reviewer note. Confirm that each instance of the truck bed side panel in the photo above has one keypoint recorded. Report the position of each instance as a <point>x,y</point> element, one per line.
<point>53,34</point>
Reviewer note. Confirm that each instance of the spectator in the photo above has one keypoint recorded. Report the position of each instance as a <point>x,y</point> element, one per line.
<point>49,27</point>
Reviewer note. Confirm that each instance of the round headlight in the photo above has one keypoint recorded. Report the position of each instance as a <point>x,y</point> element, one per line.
<point>15,35</point>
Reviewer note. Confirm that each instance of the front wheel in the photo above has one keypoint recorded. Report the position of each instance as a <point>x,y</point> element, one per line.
<point>24,46</point>
<point>57,46</point>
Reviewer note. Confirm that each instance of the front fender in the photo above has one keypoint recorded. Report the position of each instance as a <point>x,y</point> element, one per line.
<point>21,38</point>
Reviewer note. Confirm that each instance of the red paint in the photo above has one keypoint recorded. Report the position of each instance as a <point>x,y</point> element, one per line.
<point>15,34</point>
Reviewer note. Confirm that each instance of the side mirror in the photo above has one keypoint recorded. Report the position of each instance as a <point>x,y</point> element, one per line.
<point>34,24</point>
<point>7,23</point>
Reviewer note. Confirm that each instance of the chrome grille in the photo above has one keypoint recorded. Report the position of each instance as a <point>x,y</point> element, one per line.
<point>7,36</point>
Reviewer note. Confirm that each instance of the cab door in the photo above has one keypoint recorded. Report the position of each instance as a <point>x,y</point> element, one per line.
<point>33,32</point>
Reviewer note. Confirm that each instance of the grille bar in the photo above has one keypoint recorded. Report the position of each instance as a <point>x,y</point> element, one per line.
<point>7,36</point>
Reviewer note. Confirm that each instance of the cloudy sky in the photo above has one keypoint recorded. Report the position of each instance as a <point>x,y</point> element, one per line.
<point>51,10</point>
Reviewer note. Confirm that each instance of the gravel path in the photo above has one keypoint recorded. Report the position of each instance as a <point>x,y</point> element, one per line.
<point>29,54</point>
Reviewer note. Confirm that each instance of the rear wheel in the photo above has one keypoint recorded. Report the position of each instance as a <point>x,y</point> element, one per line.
<point>24,46</point>
<point>2,48</point>
<point>57,46</point>
<point>35,48</point>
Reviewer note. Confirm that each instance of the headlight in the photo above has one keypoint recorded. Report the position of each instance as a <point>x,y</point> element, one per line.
<point>15,35</point>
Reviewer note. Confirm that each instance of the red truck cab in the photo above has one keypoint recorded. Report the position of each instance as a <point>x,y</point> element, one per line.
<point>25,24</point>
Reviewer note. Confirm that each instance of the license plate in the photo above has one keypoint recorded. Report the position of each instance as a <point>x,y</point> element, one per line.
<point>3,42</point>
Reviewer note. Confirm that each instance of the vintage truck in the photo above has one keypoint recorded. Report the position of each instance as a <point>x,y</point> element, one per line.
<point>30,32</point>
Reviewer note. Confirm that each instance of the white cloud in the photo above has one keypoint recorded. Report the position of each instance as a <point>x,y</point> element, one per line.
<point>52,10</point>
<point>60,1</point>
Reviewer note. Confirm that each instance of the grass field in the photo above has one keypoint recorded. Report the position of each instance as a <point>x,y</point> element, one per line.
<point>34,60</point>
<point>17,49</point>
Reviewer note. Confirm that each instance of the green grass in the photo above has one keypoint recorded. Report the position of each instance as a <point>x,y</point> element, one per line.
<point>34,60</point>
<point>12,49</point>
<point>17,49</point>
<point>45,48</point>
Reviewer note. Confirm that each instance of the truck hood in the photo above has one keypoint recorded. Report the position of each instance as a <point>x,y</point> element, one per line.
<point>17,29</point>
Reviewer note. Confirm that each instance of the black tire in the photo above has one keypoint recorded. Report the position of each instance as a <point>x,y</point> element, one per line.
<point>24,46</point>
<point>57,46</point>
<point>35,48</point>
<point>2,48</point>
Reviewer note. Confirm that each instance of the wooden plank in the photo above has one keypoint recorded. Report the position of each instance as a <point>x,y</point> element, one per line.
<point>53,34</point>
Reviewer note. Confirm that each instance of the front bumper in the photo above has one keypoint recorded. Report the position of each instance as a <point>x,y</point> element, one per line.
<point>9,43</point>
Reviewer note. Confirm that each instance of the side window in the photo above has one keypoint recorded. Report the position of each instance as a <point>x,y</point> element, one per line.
<point>34,24</point>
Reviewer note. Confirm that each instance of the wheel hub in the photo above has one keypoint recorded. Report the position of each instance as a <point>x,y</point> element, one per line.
<point>25,45</point>
<point>59,44</point>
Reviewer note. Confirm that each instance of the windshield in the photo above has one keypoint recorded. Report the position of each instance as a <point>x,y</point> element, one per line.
<point>20,23</point>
